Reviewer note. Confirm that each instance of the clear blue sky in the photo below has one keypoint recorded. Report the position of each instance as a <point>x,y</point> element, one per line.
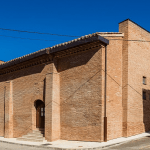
<point>69,17</point>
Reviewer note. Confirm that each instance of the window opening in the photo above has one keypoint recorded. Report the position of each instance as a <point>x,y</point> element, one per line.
<point>144,80</point>
<point>144,95</point>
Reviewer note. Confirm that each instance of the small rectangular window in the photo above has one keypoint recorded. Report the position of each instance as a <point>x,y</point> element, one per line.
<point>144,80</point>
<point>144,95</point>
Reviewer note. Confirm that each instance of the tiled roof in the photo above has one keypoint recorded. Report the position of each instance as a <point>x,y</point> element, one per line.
<point>82,40</point>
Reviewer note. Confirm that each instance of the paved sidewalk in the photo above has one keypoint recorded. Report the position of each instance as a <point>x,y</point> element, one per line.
<point>63,144</point>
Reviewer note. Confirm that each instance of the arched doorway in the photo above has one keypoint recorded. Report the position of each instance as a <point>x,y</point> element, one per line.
<point>40,114</point>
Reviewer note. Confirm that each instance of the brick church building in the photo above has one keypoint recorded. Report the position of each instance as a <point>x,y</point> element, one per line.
<point>93,88</point>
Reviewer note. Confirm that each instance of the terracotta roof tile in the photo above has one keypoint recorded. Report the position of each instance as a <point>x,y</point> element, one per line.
<point>51,49</point>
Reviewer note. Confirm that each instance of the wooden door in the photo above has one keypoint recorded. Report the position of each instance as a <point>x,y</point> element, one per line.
<point>40,116</point>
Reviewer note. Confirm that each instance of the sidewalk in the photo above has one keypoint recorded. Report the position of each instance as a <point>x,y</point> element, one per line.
<point>65,145</point>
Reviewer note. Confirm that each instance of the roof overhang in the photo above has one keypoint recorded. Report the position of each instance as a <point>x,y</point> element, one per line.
<point>78,42</point>
<point>57,48</point>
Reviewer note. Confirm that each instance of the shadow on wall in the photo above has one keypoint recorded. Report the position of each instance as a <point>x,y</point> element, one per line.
<point>80,95</point>
<point>61,64</point>
<point>75,60</point>
<point>23,72</point>
<point>146,109</point>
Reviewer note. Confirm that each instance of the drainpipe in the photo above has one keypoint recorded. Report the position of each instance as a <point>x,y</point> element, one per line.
<point>105,92</point>
<point>4,107</point>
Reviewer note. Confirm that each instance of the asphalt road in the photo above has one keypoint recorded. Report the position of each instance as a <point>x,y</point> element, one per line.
<point>139,144</point>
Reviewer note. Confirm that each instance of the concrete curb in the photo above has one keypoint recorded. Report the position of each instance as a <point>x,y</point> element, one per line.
<point>93,148</point>
<point>57,148</point>
<point>38,146</point>
<point>122,142</point>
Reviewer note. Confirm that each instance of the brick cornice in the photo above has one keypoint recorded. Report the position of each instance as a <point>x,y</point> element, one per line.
<point>77,49</point>
<point>27,64</point>
<point>49,57</point>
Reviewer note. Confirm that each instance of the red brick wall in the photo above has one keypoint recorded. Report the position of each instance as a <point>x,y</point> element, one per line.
<point>74,95</point>
<point>27,88</point>
<point>80,96</point>
<point>80,109</point>
<point>123,27</point>
<point>52,104</point>
<point>82,93</point>
<point>2,108</point>
<point>137,57</point>
<point>114,87</point>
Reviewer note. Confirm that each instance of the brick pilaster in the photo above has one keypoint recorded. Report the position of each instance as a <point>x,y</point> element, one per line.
<point>52,105</point>
<point>8,110</point>
<point>123,27</point>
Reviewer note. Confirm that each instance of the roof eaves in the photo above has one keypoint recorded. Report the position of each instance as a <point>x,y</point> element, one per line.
<point>22,59</point>
<point>102,39</point>
<point>60,47</point>
<point>79,41</point>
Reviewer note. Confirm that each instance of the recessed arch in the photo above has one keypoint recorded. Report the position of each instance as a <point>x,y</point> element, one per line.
<point>40,113</point>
